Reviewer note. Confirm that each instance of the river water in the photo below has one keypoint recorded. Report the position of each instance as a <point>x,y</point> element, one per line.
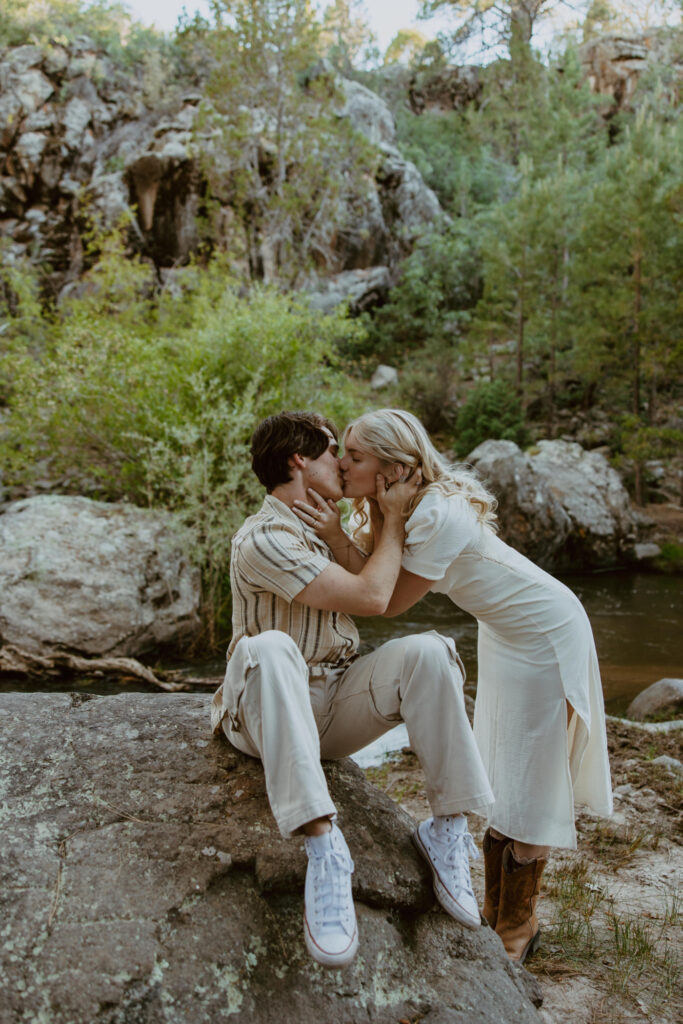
<point>637,620</point>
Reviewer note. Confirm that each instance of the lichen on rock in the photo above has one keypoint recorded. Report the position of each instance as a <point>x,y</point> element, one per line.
<point>143,879</point>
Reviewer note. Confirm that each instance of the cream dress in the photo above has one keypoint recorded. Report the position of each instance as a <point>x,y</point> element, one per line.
<point>536,651</point>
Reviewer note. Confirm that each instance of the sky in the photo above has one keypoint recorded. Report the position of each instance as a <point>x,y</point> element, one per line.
<point>386,17</point>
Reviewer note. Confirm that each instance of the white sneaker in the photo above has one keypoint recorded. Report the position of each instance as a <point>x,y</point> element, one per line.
<point>330,928</point>
<point>447,848</point>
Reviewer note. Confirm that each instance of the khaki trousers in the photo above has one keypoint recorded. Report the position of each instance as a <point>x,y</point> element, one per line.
<point>273,708</point>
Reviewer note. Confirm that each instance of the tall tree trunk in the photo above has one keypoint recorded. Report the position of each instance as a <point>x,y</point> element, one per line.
<point>522,15</point>
<point>519,376</point>
<point>550,422</point>
<point>637,299</point>
<point>638,483</point>
<point>637,280</point>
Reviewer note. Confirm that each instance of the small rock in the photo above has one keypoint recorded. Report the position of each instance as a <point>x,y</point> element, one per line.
<point>673,765</point>
<point>56,60</point>
<point>645,552</point>
<point>383,377</point>
<point>360,289</point>
<point>661,700</point>
<point>22,58</point>
<point>75,119</point>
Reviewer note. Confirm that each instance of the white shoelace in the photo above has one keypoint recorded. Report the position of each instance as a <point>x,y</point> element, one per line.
<point>331,891</point>
<point>456,857</point>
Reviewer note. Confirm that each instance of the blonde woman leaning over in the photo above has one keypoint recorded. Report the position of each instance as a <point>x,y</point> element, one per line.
<point>539,718</point>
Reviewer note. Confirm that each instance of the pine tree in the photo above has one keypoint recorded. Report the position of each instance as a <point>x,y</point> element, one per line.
<point>347,38</point>
<point>631,270</point>
<point>495,21</point>
<point>511,248</point>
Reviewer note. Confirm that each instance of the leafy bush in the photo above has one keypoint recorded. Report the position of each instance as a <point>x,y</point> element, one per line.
<point>154,400</point>
<point>492,410</point>
<point>670,557</point>
<point>428,387</point>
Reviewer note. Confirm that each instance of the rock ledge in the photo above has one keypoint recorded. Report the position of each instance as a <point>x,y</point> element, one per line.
<point>143,881</point>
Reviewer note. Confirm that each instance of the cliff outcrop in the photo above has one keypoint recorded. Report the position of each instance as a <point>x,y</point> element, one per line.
<point>83,141</point>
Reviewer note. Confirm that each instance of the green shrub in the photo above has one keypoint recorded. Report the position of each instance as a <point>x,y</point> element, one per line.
<point>492,410</point>
<point>154,400</point>
<point>670,557</point>
<point>428,384</point>
<point>109,25</point>
<point>465,174</point>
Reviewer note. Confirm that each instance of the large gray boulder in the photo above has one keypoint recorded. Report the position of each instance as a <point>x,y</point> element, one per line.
<point>93,578</point>
<point>368,113</point>
<point>143,880</point>
<point>562,506</point>
<point>663,699</point>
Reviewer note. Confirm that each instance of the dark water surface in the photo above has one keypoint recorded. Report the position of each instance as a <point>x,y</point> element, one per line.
<point>637,620</point>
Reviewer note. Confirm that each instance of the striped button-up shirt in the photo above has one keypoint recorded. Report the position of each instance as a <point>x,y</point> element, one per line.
<point>274,556</point>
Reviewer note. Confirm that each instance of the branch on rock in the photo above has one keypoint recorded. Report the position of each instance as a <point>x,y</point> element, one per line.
<point>15,661</point>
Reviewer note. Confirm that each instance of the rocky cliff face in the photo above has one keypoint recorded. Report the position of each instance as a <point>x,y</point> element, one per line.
<point>615,64</point>
<point>79,139</point>
<point>612,64</point>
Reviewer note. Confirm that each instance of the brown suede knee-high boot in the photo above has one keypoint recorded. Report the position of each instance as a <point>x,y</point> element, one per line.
<point>517,923</point>
<point>493,866</point>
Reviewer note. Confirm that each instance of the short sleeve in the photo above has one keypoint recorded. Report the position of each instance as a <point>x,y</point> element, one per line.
<point>436,533</point>
<point>276,558</point>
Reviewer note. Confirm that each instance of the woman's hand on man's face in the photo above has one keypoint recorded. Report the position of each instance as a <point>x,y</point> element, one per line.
<point>394,498</point>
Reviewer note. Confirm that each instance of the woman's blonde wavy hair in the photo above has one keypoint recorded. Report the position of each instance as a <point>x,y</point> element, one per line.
<point>393,435</point>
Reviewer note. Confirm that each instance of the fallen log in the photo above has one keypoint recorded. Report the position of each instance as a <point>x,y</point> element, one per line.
<point>17,662</point>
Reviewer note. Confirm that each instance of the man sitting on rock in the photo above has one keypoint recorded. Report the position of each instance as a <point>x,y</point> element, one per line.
<point>295,689</point>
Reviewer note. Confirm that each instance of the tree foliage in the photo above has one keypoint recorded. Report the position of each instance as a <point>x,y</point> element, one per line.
<point>125,396</point>
<point>108,23</point>
<point>577,224</point>
<point>511,22</point>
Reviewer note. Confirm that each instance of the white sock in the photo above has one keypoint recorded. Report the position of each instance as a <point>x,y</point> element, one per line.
<point>449,824</point>
<point>320,844</point>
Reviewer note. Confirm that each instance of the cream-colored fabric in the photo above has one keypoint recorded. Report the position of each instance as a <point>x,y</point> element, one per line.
<point>269,708</point>
<point>274,556</point>
<point>536,651</point>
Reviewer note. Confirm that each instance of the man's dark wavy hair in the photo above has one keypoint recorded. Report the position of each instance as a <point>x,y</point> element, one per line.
<point>279,437</point>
